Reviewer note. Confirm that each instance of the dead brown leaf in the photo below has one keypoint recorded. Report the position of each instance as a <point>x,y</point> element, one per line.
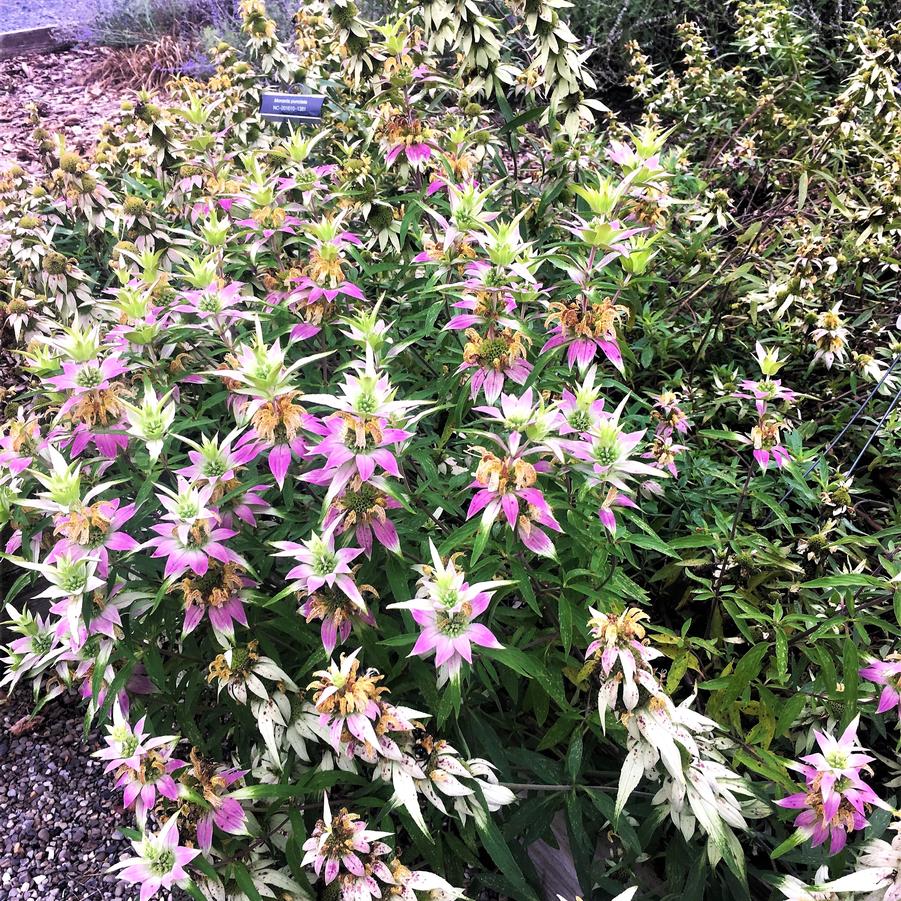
<point>25,724</point>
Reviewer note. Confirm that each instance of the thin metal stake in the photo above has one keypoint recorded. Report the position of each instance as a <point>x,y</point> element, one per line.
<point>879,425</point>
<point>847,426</point>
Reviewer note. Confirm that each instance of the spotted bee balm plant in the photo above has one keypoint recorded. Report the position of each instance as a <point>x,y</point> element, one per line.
<point>477,473</point>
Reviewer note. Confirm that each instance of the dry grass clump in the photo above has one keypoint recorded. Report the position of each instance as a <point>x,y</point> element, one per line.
<point>143,66</point>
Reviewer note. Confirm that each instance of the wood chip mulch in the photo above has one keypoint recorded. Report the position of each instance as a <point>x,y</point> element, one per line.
<point>60,83</point>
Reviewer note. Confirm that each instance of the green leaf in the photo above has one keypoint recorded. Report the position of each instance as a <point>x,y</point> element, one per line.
<point>524,584</point>
<point>718,434</point>
<point>398,575</point>
<point>503,859</point>
<point>154,665</point>
<point>481,539</point>
<point>574,757</point>
<point>649,542</point>
<point>826,677</point>
<point>530,115</point>
<point>311,785</point>
<point>194,891</point>
<point>580,845</point>
<point>502,102</point>
<point>21,582</point>
<point>530,666</point>
<point>451,701</point>
<point>781,652</point>
<point>789,713</point>
<point>624,828</point>
<point>557,733</point>
<point>414,211</point>
<point>850,678</point>
<point>750,233</point>
<point>565,614</point>
<point>677,670</point>
<point>398,641</point>
<point>766,764</point>
<point>621,585</point>
<point>244,880</point>
<point>112,691</point>
<point>846,580</point>
<point>795,839</point>
<point>745,671</point>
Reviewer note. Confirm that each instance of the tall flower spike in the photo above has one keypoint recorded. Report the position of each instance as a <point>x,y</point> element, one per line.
<point>217,593</point>
<point>86,378</point>
<point>70,578</point>
<point>95,531</point>
<point>347,700</point>
<point>836,800</point>
<point>830,337</point>
<point>159,862</point>
<point>319,563</point>
<point>126,745</point>
<point>216,461</point>
<point>444,609</point>
<point>366,392</point>
<point>492,358</point>
<point>20,439</point>
<point>584,328</point>
<point>339,843</point>
<point>605,455</point>
<point>208,788</point>
<point>622,658</point>
<point>62,485</point>
<point>189,535</point>
<point>151,421</point>
<point>363,507</point>
<point>506,486</point>
<point>260,370</point>
<point>766,442</point>
<point>153,775</point>
<point>355,447</point>
<point>888,674</point>
<point>580,409</point>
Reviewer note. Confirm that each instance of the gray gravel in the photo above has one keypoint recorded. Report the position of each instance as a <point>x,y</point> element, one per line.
<point>17,14</point>
<point>59,814</point>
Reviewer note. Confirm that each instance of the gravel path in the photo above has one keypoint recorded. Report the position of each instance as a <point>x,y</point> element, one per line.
<point>59,814</point>
<point>16,14</point>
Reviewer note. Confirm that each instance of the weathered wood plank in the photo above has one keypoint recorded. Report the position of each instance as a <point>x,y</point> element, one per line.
<point>27,40</point>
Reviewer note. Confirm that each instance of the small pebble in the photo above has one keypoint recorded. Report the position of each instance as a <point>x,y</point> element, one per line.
<point>59,816</point>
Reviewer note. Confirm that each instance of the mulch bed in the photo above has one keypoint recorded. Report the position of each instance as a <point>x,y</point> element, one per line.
<point>60,84</point>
